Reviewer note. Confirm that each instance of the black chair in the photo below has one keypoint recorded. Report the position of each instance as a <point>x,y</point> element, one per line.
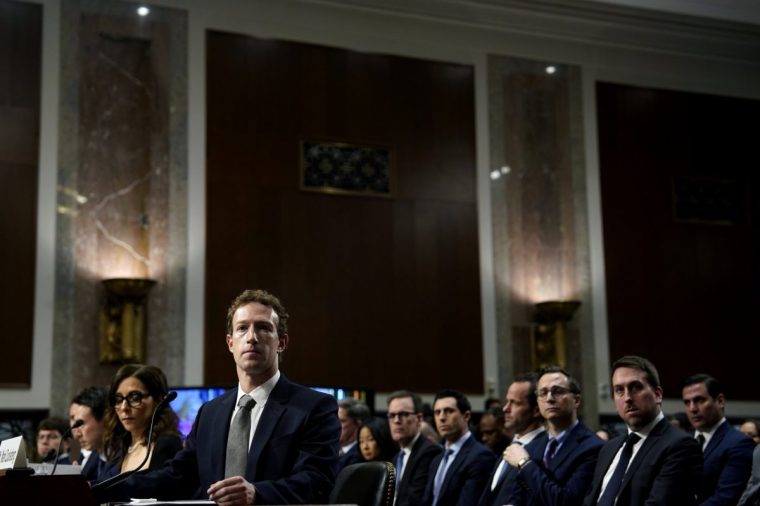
<point>365,484</point>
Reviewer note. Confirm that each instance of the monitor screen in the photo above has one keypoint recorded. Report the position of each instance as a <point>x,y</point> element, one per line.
<point>189,401</point>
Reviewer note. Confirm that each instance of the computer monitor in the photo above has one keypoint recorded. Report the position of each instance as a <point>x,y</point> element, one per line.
<point>189,401</point>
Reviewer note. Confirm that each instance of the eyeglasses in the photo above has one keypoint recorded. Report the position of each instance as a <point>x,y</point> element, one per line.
<point>134,399</point>
<point>401,415</point>
<point>554,391</point>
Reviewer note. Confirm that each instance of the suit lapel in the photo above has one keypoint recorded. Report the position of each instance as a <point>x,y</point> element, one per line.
<point>568,447</point>
<point>221,418</point>
<point>649,443</point>
<point>716,439</point>
<point>456,464</point>
<point>273,410</point>
<point>606,456</point>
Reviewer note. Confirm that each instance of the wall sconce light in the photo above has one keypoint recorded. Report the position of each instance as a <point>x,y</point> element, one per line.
<point>548,333</point>
<point>123,320</point>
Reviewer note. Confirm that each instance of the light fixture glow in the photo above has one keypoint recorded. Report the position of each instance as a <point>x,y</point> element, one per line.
<point>505,169</point>
<point>143,11</point>
<point>495,174</point>
<point>551,69</point>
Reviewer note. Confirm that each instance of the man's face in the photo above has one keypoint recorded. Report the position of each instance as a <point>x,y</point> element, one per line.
<point>47,440</point>
<point>348,427</point>
<point>519,416</point>
<point>636,402</point>
<point>254,342</point>
<point>89,435</point>
<point>405,423</point>
<point>451,422</point>
<point>750,429</point>
<point>558,405</point>
<point>491,431</point>
<point>703,411</point>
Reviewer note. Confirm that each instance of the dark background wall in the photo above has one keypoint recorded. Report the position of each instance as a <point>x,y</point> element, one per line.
<point>383,292</point>
<point>20,63</point>
<point>682,290</point>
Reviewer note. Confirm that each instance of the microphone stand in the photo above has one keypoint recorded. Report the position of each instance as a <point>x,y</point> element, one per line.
<point>66,434</point>
<point>110,482</point>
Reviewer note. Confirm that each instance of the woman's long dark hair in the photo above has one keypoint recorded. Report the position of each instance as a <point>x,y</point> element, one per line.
<point>381,433</point>
<point>117,438</point>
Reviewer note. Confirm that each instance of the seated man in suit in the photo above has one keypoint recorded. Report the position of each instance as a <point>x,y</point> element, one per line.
<point>351,414</point>
<point>268,441</point>
<point>654,463</point>
<point>459,474</point>
<point>89,405</point>
<point>413,460</point>
<point>727,452</point>
<point>559,470</point>
<point>523,419</point>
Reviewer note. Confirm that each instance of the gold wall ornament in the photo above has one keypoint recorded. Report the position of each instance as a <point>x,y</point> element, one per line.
<point>123,320</point>
<point>548,332</point>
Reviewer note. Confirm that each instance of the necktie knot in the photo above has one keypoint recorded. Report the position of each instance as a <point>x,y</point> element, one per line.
<point>701,438</point>
<point>632,439</point>
<point>246,402</point>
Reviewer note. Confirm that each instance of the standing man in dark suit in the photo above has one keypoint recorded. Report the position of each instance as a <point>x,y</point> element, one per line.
<point>413,460</point>
<point>654,463</point>
<point>458,476</point>
<point>727,452</point>
<point>559,470</point>
<point>89,405</point>
<point>269,441</point>
<point>523,419</point>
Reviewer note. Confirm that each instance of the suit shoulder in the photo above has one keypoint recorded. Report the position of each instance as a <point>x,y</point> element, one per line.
<point>305,395</point>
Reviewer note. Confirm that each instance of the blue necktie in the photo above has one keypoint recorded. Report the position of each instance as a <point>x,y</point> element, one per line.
<point>399,463</point>
<point>551,450</point>
<point>613,487</point>
<point>438,483</point>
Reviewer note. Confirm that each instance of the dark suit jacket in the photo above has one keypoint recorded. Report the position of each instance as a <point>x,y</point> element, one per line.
<point>93,467</point>
<point>665,471</point>
<point>165,450</point>
<point>751,496</point>
<point>352,456</point>
<point>292,458</point>
<point>728,463</point>
<point>504,491</point>
<point>411,488</point>
<point>465,478</point>
<point>568,477</point>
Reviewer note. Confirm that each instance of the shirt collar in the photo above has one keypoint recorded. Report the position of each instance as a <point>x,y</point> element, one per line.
<point>562,435</point>
<point>644,432</point>
<point>461,441</point>
<point>260,394</point>
<point>530,436</point>
<point>710,432</point>
<point>408,448</point>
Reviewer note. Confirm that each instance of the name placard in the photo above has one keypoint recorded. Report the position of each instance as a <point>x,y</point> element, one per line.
<point>13,453</point>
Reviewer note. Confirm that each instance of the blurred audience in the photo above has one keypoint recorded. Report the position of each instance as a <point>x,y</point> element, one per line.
<point>752,429</point>
<point>89,405</point>
<point>492,432</point>
<point>50,431</point>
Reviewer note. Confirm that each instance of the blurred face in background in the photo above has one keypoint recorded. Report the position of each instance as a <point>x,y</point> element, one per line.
<point>47,440</point>
<point>404,421</point>
<point>89,435</point>
<point>367,445</point>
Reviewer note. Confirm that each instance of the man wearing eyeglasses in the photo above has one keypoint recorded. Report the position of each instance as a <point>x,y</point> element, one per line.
<point>559,470</point>
<point>413,460</point>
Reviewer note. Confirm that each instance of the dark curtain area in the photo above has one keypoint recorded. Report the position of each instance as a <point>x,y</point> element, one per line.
<point>680,186</point>
<point>383,292</point>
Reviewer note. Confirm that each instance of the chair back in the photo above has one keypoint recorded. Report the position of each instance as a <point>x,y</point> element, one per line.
<point>365,484</point>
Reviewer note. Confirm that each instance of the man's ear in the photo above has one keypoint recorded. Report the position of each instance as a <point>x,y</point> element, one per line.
<point>229,343</point>
<point>282,345</point>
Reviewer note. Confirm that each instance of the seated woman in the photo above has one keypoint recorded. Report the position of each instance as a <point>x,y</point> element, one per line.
<point>134,394</point>
<point>375,442</point>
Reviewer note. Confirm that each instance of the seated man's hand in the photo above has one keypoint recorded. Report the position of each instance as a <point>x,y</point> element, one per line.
<point>232,491</point>
<point>514,453</point>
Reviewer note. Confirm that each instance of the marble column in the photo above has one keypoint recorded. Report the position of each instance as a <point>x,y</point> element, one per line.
<point>122,178</point>
<point>539,210</point>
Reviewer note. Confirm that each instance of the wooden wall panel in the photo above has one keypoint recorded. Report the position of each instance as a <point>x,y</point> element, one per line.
<point>20,63</point>
<point>682,294</point>
<point>383,293</point>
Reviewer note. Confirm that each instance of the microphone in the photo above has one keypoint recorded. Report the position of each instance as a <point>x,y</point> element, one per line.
<point>66,434</point>
<point>110,482</point>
